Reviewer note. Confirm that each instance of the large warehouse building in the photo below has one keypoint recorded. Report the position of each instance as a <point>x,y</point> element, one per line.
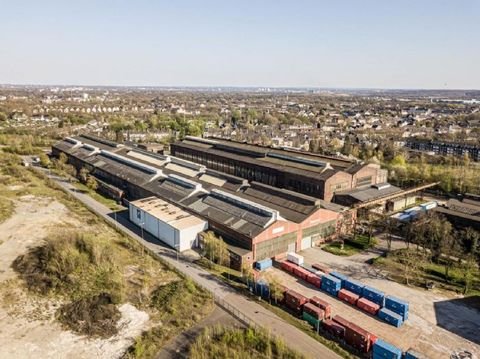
<point>255,219</point>
<point>310,174</point>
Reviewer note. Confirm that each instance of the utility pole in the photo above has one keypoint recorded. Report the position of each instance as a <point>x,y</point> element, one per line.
<point>143,240</point>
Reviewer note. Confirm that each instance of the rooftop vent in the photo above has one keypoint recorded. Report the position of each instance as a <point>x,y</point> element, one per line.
<point>298,159</point>
<point>381,186</point>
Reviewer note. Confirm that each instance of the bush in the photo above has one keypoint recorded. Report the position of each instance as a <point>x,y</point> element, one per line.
<point>93,316</point>
<point>70,263</point>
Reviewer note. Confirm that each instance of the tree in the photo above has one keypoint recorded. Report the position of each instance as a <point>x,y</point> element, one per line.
<point>44,160</point>
<point>216,249</point>
<point>411,261</point>
<point>62,159</point>
<point>276,288</point>
<point>83,175</point>
<point>92,183</point>
<point>399,160</point>
<point>247,273</point>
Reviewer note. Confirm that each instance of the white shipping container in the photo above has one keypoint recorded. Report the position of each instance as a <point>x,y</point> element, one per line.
<point>295,258</point>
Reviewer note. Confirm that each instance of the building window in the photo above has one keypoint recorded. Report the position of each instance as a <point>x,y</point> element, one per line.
<point>139,214</point>
<point>364,181</point>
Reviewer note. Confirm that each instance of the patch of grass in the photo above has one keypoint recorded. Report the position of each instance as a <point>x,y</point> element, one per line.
<point>108,202</point>
<point>226,343</point>
<point>335,248</point>
<point>179,305</point>
<point>6,209</point>
<point>351,246</point>
<point>362,242</point>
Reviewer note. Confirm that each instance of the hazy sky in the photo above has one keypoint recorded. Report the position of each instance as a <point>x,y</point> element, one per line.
<point>356,43</point>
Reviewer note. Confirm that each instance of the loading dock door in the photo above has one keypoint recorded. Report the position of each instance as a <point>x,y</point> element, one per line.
<point>306,243</point>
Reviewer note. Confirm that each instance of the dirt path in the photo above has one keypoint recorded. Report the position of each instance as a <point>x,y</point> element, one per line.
<point>28,327</point>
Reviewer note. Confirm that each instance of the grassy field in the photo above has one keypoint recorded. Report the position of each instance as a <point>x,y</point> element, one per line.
<point>227,343</point>
<point>335,248</point>
<point>91,268</point>
<point>424,271</point>
<point>350,246</point>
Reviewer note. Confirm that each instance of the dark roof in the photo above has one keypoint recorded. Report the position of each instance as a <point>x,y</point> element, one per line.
<point>272,164</point>
<point>469,207</point>
<point>168,189</point>
<point>355,168</point>
<point>365,194</point>
<point>120,169</point>
<point>228,214</point>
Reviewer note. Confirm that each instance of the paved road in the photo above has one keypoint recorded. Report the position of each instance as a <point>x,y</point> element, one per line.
<point>252,311</point>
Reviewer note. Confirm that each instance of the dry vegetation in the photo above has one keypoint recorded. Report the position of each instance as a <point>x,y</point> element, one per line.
<point>88,270</point>
<point>226,343</point>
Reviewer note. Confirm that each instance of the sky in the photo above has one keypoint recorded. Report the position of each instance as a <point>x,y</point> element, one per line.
<point>426,44</point>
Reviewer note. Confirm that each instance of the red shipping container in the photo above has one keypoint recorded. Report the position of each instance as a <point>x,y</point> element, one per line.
<point>321,267</point>
<point>295,300</point>
<point>322,304</point>
<point>342,321</point>
<point>357,337</point>
<point>368,306</point>
<point>301,272</point>
<point>334,328</point>
<point>314,311</point>
<point>348,296</point>
<point>288,266</point>
<point>314,280</point>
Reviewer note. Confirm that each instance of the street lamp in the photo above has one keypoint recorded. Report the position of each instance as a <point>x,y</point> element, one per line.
<point>143,240</point>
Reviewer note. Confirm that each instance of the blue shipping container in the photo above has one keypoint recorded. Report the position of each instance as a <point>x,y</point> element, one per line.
<point>330,290</point>
<point>262,289</point>
<point>412,354</point>
<point>384,350</point>
<point>263,264</point>
<point>374,295</point>
<point>354,286</point>
<point>397,305</point>
<point>390,317</point>
<point>329,281</point>
<point>340,276</point>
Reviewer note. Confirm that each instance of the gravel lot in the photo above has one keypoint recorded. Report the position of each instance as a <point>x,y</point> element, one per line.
<point>420,331</point>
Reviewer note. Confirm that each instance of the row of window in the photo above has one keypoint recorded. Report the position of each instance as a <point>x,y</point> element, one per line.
<point>272,247</point>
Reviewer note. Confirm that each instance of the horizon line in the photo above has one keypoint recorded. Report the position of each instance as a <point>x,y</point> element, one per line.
<point>242,87</point>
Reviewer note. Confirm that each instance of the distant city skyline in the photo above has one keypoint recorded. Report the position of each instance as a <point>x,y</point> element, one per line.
<point>279,44</point>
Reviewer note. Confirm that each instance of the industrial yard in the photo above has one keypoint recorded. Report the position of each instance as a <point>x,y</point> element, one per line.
<point>421,331</point>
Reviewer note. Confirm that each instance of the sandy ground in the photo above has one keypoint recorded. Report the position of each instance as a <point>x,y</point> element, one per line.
<point>28,327</point>
<point>420,331</point>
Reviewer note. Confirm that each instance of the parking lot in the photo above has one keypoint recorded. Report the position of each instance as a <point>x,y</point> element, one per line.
<point>420,331</point>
